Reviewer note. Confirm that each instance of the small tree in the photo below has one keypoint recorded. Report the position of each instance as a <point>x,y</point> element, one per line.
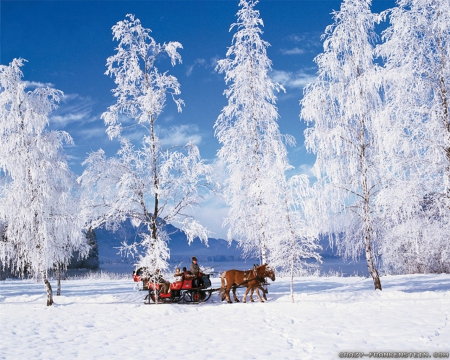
<point>151,185</point>
<point>298,234</point>
<point>38,206</point>
<point>342,106</point>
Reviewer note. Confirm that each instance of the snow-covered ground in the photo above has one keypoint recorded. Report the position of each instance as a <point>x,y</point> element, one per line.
<point>107,319</point>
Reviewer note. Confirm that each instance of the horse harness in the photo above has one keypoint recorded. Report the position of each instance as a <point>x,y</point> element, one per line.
<point>249,272</point>
<point>247,275</point>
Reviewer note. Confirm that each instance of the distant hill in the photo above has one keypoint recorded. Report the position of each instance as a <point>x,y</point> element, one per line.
<point>180,250</point>
<point>218,250</point>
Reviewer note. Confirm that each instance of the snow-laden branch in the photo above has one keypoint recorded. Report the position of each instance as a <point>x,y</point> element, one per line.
<point>150,185</point>
<point>39,207</point>
<point>265,216</point>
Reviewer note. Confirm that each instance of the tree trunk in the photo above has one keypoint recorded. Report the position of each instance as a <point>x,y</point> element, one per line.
<point>367,239</point>
<point>444,103</point>
<point>372,270</point>
<point>48,287</point>
<point>58,274</point>
<point>292,277</point>
<point>367,211</point>
<point>263,253</point>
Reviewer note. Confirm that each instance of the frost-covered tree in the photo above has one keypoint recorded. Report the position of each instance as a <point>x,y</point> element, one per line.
<point>150,185</point>
<point>416,78</point>
<point>341,106</point>
<point>261,216</point>
<point>38,206</point>
<point>297,233</point>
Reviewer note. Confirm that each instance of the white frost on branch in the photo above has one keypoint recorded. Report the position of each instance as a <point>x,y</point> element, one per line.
<point>38,206</point>
<point>149,184</point>
<point>416,80</point>
<point>263,216</point>
<point>342,107</point>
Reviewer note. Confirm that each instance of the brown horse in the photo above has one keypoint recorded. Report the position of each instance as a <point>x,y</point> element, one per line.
<point>252,279</point>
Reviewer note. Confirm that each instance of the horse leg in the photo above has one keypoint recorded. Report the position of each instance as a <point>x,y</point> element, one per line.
<point>251,294</point>
<point>259,296</point>
<point>228,297</point>
<point>244,299</point>
<point>225,288</point>
<point>257,288</point>
<point>264,291</point>
<point>234,294</point>
<point>227,293</point>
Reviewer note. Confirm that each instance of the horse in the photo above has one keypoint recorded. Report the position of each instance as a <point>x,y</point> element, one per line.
<point>231,279</point>
<point>269,273</point>
<point>260,287</point>
<point>253,279</point>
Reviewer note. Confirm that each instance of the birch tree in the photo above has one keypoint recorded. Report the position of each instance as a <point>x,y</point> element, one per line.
<point>38,207</point>
<point>341,107</point>
<point>261,216</point>
<point>149,184</point>
<point>416,79</point>
<point>297,233</point>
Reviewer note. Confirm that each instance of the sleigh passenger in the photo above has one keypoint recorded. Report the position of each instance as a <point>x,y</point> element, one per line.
<point>179,276</point>
<point>195,271</point>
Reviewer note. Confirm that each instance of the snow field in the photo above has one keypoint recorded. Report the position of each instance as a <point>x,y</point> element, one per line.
<point>95,319</point>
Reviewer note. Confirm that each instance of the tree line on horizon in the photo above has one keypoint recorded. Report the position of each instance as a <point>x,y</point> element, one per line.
<point>378,122</point>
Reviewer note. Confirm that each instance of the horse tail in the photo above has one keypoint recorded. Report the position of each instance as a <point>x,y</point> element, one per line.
<point>223,281</point>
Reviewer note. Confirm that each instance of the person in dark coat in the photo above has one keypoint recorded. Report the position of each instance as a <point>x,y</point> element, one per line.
<point>195,271</point>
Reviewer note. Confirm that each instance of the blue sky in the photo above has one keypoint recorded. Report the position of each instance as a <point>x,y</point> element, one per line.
<point>66,44</point>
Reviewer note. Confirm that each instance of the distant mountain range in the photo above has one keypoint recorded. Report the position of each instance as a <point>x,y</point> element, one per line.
<point>218,250</point>
<point>180,250</point>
